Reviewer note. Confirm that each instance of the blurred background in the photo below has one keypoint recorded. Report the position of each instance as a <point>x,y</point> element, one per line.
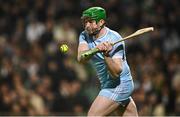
<point>37,79</point>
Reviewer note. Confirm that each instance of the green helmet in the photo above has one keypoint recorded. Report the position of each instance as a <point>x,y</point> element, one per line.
<point>95,13</point>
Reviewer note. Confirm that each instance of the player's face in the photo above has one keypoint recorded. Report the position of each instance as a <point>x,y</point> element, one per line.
<point>91,26</point>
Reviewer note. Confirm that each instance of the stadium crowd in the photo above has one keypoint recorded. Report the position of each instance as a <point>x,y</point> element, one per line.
<point>37,79</point>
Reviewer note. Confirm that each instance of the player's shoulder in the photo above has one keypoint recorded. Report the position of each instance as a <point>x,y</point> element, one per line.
<point>84,37</point>
<point>83,33</point>
<point>114,33</point>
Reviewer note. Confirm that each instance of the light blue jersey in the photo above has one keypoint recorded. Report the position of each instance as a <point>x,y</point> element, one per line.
<point>98,62</point>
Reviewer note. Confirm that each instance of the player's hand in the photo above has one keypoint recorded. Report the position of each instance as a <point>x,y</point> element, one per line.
<point>105,47</point>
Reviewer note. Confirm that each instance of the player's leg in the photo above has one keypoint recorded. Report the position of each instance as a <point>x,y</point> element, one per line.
<point>109,99</point>
<point>102,106</point>
<point>127,108</point>
<point>131,109</point>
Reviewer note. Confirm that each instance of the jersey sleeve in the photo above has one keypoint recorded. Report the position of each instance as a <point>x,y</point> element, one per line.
<point>82,38</point>
<point>118,49</point>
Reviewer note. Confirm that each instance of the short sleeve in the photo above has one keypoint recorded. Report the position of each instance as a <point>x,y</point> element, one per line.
<point>119,52</point>
<point>82,38</point>
<point>118,49</point>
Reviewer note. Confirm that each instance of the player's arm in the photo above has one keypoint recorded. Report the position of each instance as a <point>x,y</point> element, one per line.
<point>83,47</point>
<point>114,65</point>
